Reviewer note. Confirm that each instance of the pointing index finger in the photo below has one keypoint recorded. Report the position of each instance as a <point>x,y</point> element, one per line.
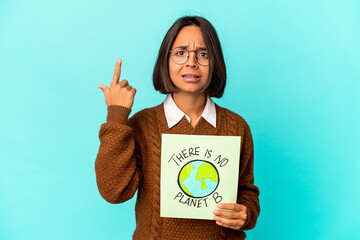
<point>117,72</point>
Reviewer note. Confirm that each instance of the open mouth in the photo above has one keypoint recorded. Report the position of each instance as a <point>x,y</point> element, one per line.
<point>191,77</point>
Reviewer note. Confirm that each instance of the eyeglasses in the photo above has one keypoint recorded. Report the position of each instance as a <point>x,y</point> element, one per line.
<point>180,56</point>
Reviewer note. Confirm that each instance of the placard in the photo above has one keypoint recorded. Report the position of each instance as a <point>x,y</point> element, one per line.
<point>197,173</point>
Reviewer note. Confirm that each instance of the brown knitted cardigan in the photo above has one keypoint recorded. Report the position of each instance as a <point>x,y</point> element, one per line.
<point>129,160</point>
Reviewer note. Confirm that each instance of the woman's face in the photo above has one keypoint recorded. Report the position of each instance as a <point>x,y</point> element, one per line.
<point>189,77</point>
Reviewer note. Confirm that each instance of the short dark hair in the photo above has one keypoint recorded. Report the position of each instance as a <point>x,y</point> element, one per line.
<point>217,69</point>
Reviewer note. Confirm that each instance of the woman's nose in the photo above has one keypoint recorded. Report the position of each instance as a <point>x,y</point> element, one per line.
<point>191,62</point>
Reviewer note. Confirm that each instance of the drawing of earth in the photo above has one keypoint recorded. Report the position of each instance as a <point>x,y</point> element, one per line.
<point>198,178</point>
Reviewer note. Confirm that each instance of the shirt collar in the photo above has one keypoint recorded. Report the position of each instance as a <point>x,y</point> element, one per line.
<point>174,114</point>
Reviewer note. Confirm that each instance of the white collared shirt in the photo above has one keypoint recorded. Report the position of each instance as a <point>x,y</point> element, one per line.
<point>174,114</point>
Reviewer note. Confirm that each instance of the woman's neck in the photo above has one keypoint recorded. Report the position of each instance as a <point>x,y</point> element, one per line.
<point>191,104</point>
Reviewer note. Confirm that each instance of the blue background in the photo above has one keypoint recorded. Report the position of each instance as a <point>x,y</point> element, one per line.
<point>293,74</point>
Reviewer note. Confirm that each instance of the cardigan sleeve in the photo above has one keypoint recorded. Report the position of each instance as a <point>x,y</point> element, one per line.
<point>248,193</point>
<point>118,162</point>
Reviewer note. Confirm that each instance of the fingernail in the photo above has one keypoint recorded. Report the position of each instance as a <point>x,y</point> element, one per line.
<point>215,211</point>
<point>219,205</point>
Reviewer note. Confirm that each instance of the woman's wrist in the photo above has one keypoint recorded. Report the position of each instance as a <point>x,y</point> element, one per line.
<point>118,114</point>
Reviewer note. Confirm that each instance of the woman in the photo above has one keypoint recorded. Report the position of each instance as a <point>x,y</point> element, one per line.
<point>190,68</point>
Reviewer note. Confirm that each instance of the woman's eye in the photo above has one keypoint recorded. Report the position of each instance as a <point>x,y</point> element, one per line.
<point>204,54</point>
<point>180,53</point>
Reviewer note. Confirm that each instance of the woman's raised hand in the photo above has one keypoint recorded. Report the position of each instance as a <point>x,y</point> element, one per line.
<point>119,93</point>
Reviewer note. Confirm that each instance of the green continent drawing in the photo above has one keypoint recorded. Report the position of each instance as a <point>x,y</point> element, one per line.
<point>206,170</point>
<point>183,187</point>
<point>203,184</point>
<point>185,172</point>
<point>198,178</point>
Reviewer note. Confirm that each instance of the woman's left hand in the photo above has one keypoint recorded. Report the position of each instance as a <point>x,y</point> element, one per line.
<point>234,220</point>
